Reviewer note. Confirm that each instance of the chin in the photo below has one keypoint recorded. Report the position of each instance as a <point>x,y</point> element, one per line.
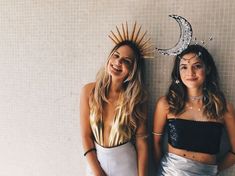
<point>193,86</point>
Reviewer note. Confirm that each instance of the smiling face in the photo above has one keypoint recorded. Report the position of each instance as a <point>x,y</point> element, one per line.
<point>120,63</point>
<point>192,71</point>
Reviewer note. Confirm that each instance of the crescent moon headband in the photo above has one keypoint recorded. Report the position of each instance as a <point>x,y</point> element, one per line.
<point>185,38</point>
<point>135,37</point>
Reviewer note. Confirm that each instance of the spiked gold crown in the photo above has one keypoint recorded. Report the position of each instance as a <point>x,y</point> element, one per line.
<point>143,44</point>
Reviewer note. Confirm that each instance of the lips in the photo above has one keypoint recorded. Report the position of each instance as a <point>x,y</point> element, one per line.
<point>191,79</point>
<point>115,68</point>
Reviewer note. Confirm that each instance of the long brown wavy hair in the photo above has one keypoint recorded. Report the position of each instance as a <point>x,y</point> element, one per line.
<point>214,102</point>
<point>134,96</point>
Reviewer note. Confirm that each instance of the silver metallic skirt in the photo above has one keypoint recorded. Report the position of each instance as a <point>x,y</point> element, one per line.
<point>117,161</point>
<point>175,165</point>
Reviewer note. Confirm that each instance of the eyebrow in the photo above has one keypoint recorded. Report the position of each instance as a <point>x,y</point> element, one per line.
<point>197,62</point>
<point>116,52</point>
<point>190,57</point>
<point>126,57</point>
<point>182,65</point>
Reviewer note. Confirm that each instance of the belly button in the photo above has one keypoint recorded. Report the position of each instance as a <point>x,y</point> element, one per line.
<point>184,154</point>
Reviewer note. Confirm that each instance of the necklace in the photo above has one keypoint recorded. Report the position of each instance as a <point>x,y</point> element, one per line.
<point>191,108</point>
<point>194,98</point>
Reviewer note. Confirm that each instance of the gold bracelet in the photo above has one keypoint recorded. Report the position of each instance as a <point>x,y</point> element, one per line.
<point>90,150</point>
<point>157,134</point>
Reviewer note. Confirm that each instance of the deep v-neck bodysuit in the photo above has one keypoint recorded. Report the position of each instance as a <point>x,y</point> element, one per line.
<point>120,131</point>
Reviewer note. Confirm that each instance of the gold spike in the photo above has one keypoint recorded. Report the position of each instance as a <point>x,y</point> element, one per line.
<point>137,35</point>
<point>139,42</point>
<point>147,50</point>
<point>113,39</point>
<point>133,32</point>
<point>148,57</point>
<point>127,33</point>
<point>123,31</point>
<point>144,43</point>
<point>115,36</point>
<point>150,52</point>
<point>119,33</point>
<point>146,47</point>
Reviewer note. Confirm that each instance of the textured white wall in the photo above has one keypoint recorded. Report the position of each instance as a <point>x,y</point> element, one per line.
<point>39,76</point>
<point>50,48</point>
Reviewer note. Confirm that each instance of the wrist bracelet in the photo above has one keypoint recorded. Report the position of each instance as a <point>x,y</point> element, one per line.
<point>142,136</point>
<point>232,152</point>
<point>90,150</point>
<point>157,134</point>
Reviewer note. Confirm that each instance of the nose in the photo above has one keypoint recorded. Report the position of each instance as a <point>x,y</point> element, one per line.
<point>190,71</point>
<point>118,61</point>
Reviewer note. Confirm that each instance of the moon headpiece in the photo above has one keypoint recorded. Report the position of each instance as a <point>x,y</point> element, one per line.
<point>135,37</point>
<point>185,38</point>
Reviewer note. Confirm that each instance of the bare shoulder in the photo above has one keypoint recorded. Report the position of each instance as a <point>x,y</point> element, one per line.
<point>87,88</point>
<point>162,102</point>
<point>160,114</point>
<point>162,106</point>
<point>231,112</point>
<point>230,107</point>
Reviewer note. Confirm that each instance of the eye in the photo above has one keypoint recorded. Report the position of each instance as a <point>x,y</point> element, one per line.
<point>198,66</point>
<point>183,67</point>
<point>127,62</point>
<point>115,55</point>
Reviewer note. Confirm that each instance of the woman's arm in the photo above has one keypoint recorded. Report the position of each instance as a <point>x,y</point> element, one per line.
<point>87,139</point>
<point>142,146</point>
<point>160,116</point>
<point>229,120</point>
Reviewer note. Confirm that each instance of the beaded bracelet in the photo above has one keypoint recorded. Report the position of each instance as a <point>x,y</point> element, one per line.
<point>141,136</point>
<point>90,150</point>
<point>232,152</point>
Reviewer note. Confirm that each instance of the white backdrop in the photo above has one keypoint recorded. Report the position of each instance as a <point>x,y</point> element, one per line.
<point>50,48</point>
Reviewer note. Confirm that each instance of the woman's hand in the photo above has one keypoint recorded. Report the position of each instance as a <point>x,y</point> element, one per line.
<point>101,173</point>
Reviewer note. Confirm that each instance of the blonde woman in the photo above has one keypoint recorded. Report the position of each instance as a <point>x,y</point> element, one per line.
<point>113,114</point>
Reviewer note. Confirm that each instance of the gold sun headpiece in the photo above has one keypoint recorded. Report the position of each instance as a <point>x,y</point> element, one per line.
<point>143,44</point>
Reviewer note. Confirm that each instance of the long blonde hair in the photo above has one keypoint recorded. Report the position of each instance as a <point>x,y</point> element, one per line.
<point>133,97</point>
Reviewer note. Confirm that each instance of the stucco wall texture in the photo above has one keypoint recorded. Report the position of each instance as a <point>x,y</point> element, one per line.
<point>50,49</point>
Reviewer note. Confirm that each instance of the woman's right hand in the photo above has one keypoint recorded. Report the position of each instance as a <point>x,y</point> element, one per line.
<point>101,173</point>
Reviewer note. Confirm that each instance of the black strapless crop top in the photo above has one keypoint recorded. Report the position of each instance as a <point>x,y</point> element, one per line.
<point>196,136</point>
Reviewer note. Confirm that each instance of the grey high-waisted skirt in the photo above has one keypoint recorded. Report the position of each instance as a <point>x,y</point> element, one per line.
<point>117,161</point>
<point>174,165</point>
